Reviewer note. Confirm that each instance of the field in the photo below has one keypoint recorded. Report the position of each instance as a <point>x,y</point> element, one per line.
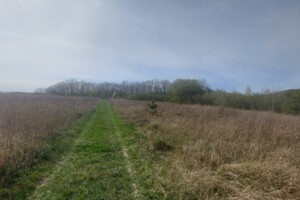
<point>205,152</point>
<point>55,147</point>
<point>29,123</point>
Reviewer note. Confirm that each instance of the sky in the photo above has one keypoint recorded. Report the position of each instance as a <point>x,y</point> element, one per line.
<point>231,44</point>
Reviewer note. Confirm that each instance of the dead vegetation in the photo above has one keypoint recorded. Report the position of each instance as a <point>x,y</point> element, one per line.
<point>221,153</point>
<point>29,122</point>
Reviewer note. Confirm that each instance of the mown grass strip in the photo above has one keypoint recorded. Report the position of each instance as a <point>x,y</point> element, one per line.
<point>94,168</point>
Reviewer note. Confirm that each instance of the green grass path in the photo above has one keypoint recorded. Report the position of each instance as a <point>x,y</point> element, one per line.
<point>97,166</point>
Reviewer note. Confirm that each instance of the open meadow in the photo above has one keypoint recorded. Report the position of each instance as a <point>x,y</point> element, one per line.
<point>205,152</point>
<point>173,151</point>
<point>30,122</point>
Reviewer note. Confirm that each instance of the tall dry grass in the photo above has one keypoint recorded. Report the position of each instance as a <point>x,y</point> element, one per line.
<point>28,122</point>
<point>221,153</point>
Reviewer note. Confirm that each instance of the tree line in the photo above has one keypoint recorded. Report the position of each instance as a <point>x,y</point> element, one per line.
<point>150,89</point>
<point>287,101</point>
<point>181,91</point>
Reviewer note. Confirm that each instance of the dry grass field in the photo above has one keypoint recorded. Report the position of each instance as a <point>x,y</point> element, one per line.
<point>29,122</point>
<point>220,153</point>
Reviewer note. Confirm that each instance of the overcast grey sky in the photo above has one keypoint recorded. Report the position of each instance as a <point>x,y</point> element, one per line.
<point>230,43</point>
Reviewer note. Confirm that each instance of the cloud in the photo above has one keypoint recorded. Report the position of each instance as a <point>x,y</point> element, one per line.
<point>230,43</point>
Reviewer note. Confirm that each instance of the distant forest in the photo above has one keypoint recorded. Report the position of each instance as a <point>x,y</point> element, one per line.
<point>188,91</point>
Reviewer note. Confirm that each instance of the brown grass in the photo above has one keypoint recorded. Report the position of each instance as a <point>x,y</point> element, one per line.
<point>28,123</point>
<point>221,153</point>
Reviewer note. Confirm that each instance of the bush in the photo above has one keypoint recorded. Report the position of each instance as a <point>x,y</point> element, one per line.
<point>152,106</point>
